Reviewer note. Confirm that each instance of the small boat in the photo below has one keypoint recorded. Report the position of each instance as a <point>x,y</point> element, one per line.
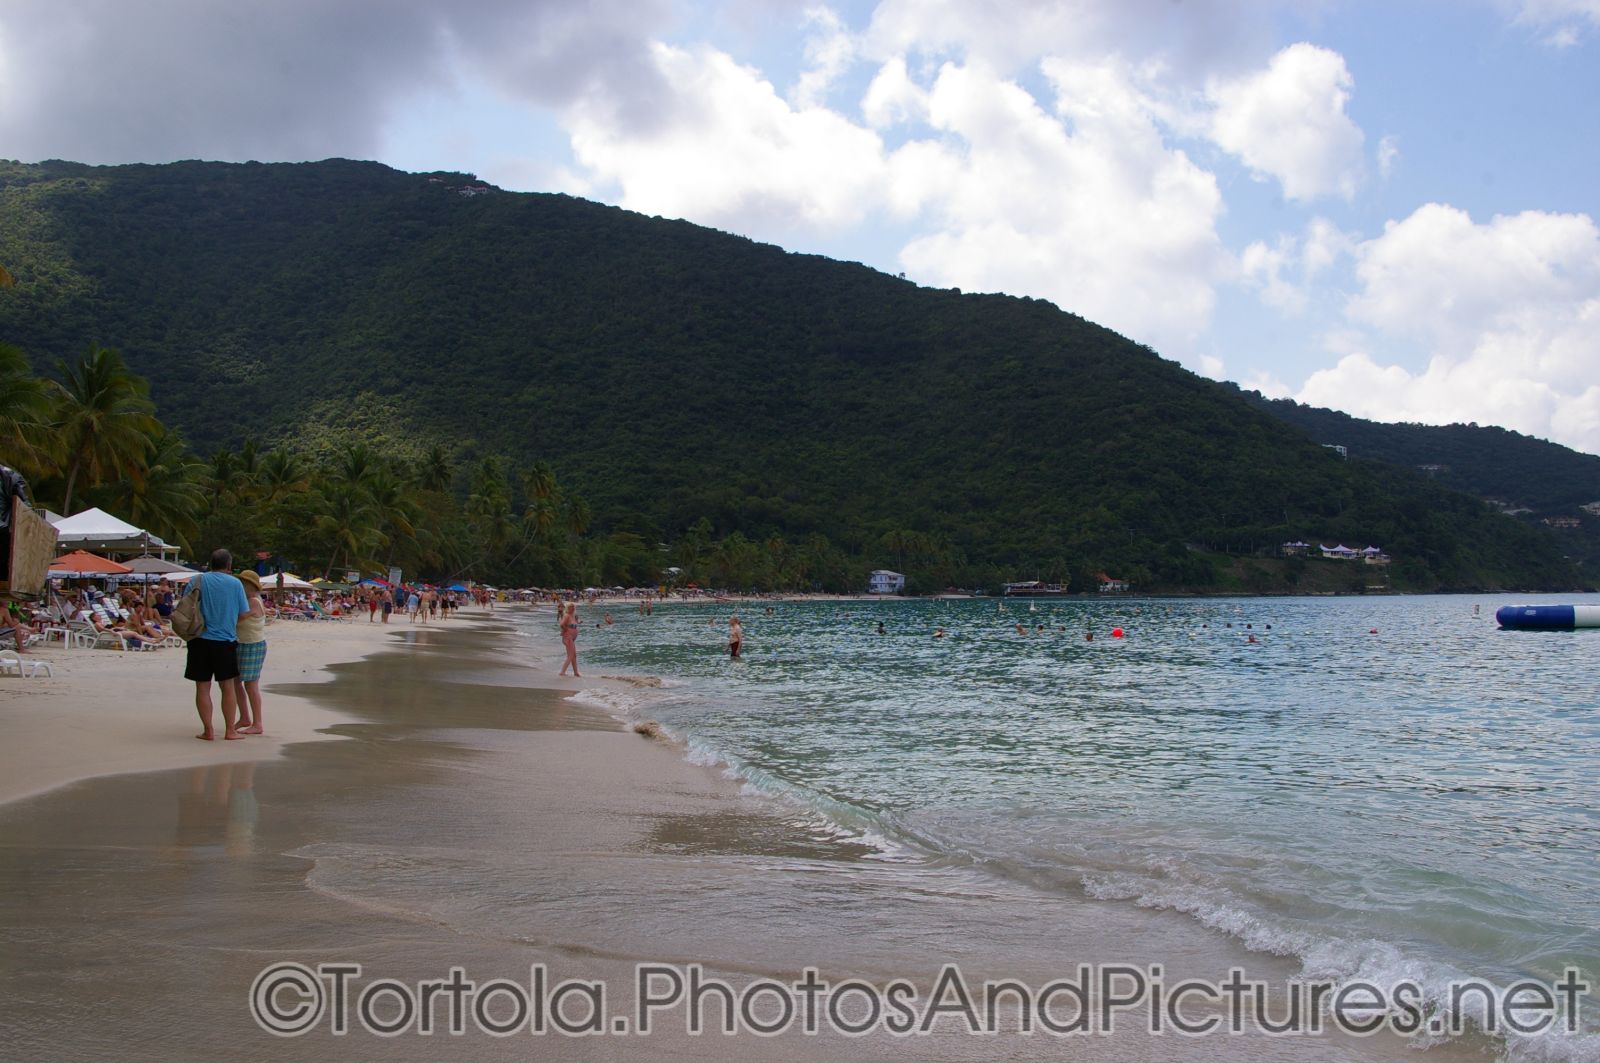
<point>1547,617</point>
<point>1034,589</point>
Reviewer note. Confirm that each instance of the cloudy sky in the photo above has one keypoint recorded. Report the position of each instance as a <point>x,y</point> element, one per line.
<point>1384,207</point>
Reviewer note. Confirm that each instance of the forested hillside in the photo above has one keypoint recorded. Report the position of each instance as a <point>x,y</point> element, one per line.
<point>672,375</point>
<point>1541,481</point>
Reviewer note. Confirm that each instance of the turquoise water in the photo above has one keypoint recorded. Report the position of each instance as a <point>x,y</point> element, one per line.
<point>1381,788</point>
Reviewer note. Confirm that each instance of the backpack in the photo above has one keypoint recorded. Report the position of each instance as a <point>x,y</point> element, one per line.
<point>188,623</point>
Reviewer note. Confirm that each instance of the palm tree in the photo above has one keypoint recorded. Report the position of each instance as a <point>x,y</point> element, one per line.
<point>347,519</point>
<point>170,499</point>
<point>105,419</point>
<point>398,512</point>
<point>434,474</point>
<point>25,434</point>
<point>540,481</point>
<point>356,465</point>
<point>281,473</point>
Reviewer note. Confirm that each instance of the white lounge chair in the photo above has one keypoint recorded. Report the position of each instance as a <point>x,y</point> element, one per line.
<point>24,669</point>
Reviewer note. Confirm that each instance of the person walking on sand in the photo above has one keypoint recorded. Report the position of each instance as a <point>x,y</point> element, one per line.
<point>215,653</point>
<point>252,655</point>
<point>735,637</point>
<point>569,638</point>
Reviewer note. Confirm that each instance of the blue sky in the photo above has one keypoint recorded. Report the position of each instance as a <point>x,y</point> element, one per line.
<point>1387,208</point>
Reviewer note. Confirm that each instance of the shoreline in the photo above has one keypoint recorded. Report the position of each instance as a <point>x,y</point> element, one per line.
<point>475,815</point>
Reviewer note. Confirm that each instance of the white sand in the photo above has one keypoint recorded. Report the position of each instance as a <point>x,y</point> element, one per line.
<point>106,712</point>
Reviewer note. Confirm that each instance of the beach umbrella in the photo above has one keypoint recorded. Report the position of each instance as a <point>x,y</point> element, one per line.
<point>80,564</point>
<point>291,582</point>
<point>151,569</point>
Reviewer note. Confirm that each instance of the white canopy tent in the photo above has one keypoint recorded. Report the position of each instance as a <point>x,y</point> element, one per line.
<point>99,532</point>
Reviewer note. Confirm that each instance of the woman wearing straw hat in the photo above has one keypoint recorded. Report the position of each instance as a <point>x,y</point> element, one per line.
<point>252,655</point>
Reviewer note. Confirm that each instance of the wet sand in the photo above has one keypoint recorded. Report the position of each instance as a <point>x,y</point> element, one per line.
<point>471,816</point>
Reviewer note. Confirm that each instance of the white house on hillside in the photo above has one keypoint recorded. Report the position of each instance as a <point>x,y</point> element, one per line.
<point>883,581</point>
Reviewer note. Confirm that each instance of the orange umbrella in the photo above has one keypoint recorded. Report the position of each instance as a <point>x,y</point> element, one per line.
<point>81,564</point>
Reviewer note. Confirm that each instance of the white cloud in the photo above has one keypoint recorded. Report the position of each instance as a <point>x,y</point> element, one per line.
<point>1508,311</point>
<point>893,97</point>
<point>1388,155</point>
<point>1266,383</point>
<point>1007,36</point>
<point>1284,271</point>
<point>1288,122</point>
<point>1563,20</point>
<point>729,151</point>
<point>830,49</point>
<point>1263,267</point>
<point>1086,207</point>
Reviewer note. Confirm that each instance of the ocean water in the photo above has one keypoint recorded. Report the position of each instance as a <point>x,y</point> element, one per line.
<point>1377,788</point>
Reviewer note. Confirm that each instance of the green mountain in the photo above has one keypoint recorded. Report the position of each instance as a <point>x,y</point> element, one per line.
<point>671,373</point>
<point>1540,481</point>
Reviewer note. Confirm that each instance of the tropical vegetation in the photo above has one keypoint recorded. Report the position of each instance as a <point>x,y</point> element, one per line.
<point>375,368</point>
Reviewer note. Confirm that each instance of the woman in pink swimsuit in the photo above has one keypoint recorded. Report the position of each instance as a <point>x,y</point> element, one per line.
<point>569,638</point>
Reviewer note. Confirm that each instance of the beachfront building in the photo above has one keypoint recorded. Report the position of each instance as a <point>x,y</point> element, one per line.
<point>1339,553</point>
<point>882,581</point>
<point>1109,585</point>
<point>1374,556</point>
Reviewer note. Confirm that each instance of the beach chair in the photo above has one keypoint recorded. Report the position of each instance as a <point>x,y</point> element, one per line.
<point>10,663</point>
<point>22,636</point>
<point>115,640</point>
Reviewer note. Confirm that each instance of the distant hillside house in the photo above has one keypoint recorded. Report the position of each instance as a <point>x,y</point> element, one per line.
<point>1112,586</point>
<point>1591,507</point>
<point>882,581</point>
<point>1373,556</point>
<point>1563,522</point>
<point>1295,549</point>
<point>1339,449</point>
<point>1339,553</point>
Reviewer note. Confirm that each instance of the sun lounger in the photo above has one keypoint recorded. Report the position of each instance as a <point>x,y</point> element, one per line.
<point>10,664</point>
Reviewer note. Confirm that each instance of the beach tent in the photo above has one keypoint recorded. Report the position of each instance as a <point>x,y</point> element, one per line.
<point>95,529</point>
<point>80,564</point>
<point>291,582</point>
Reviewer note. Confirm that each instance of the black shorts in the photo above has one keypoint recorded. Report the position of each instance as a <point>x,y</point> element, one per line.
<point>210,659</point>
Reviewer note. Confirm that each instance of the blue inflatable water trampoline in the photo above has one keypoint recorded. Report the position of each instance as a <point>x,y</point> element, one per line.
<point>1547,617</point>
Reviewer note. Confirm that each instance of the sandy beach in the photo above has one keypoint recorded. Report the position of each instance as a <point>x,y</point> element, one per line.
<point>430,798</point>
<point>106,712</point>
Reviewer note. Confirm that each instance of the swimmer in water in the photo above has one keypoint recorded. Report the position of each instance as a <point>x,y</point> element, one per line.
<point>735,637</point>
<point>938,632</point>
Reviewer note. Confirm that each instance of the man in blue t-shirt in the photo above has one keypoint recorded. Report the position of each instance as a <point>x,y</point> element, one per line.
<point>215,654</point>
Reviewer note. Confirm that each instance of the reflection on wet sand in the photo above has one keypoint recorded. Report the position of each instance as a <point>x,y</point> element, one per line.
<point>218,808</point>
